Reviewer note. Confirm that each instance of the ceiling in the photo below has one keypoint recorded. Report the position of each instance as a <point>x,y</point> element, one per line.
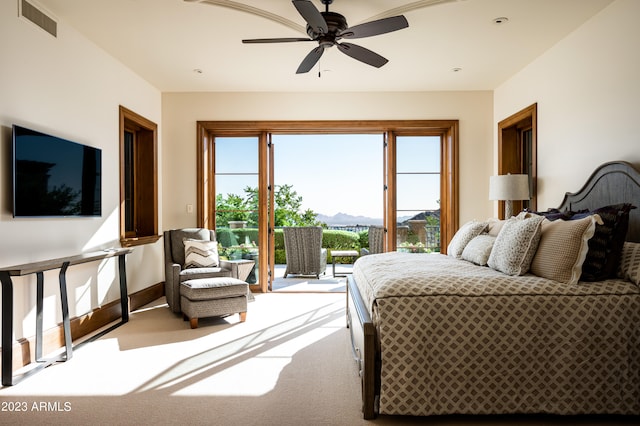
<point>195,45</point>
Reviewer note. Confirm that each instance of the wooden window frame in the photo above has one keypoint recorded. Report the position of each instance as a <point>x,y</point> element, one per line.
<point>447,130</point>
<point>145,179</point>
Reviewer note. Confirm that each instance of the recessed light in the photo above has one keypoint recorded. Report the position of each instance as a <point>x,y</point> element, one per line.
<point>500,20</point>
<point>456,69</point>
<point>197,70</point>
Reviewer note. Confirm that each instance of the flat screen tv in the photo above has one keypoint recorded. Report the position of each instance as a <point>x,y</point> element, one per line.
<point>54,177</point>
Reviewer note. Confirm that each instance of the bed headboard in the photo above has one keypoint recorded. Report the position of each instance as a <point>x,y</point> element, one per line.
<point>611,183</point>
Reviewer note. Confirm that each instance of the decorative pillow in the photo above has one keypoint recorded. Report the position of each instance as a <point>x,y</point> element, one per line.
<point>479,249</point>
<point>465,234</point>
<point>200,253</point>
<point>606,245</point>
<point>516,245</point>
<point>563,248</point>
<point>629,268</point>
<point>494,226</point>
<point>554,214</point>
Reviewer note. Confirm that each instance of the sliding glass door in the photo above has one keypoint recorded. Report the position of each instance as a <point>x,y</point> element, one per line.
<point>414,164</point>
<point>234,187</point>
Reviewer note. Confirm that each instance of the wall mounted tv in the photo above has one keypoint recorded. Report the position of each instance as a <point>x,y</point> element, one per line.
<point>54,177</point>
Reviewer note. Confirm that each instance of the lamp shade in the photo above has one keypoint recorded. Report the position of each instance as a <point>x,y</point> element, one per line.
<point>509,187</point>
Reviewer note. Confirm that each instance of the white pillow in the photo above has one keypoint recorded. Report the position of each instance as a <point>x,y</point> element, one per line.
<point>563,248</point>
<point>200,253</point>
<point>466,233</point>
<point>479,249</point>
<point>515,245</point>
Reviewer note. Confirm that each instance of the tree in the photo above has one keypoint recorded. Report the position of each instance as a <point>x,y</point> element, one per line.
<point>288,205</point>
<point>231,207</point>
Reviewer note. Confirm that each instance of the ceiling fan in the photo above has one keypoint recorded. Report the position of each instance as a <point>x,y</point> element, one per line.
<point>327,28</point>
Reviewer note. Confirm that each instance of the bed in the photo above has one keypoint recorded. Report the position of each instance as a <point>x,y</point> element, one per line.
<point>434,334</point>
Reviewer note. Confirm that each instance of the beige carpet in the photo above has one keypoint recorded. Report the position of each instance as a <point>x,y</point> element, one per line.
<point>289,364</point>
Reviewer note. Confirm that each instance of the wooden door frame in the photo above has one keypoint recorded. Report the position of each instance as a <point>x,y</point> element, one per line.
<point>446,129</point>
<point>510,151</point>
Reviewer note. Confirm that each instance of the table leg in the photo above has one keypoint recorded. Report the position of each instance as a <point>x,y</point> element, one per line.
<point>39,306</point>
<point>124,296</point>
<point>64,302</point>
<point>7,328</point>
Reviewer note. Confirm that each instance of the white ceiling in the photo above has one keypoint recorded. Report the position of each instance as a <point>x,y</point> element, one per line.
<point>166,41</point>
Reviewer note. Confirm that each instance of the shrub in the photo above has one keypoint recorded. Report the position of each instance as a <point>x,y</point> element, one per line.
<point>331,240</point>
<point>363,236</point>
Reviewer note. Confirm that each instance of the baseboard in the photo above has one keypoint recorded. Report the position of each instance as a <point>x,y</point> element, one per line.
<point>53,339</point>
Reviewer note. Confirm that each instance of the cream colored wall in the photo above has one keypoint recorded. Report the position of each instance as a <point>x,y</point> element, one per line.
<point>181,111</point>
<point>588,92</point>
<point>67,87</point>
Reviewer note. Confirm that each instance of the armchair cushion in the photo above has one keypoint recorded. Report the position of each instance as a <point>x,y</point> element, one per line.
<point>195,273</point>
<point>200,253</point>
<point>176,241</point>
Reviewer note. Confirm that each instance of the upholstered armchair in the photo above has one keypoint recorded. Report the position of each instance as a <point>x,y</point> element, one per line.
<point>175,261</point>
<point>303,248</point>
<point>376,241</point>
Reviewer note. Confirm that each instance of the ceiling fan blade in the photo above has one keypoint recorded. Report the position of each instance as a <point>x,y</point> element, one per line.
<point>310,60</point>
<point>274,40</point>
<point>373,28</point>
<point>362,54</point>
<point>312,15</point>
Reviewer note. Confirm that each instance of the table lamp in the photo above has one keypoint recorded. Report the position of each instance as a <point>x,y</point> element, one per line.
<point>508,188</point>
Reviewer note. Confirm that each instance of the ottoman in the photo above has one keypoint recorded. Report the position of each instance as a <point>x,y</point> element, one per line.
<point>210,297</point>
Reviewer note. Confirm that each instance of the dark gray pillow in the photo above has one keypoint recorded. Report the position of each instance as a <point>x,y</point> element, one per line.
<point>605,247</point>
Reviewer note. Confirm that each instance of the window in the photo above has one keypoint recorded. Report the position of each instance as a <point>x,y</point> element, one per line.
<point>138,180</point>
<point>443,166</point>
<point>418,192</point>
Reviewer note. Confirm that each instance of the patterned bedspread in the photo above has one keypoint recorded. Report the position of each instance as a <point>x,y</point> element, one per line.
<point>460,338</point>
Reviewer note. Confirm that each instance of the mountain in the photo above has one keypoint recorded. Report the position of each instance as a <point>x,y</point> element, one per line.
<point>347,219</point>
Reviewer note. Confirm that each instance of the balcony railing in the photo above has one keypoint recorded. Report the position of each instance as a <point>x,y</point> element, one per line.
<point>415,235</point>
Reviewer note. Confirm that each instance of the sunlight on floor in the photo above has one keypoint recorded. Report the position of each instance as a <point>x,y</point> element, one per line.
<point>157,352</point>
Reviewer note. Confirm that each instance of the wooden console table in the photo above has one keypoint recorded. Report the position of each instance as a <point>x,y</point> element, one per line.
<point>38,268</point>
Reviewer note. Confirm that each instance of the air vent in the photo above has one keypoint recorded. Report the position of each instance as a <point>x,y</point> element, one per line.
<point>36,16</point>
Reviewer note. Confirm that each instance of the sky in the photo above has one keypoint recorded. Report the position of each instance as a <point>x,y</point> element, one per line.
<point>336,173</point>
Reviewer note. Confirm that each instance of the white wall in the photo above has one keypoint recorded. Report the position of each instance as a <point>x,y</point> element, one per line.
<point>588,92</point>
<point>67,87</point>
<point>181,111</point>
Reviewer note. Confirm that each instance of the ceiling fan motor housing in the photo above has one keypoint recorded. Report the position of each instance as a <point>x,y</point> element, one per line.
<point>336,24</point>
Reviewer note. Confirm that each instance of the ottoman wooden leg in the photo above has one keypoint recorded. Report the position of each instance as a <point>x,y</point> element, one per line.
<point>193,322</point>
<point>243,316</point>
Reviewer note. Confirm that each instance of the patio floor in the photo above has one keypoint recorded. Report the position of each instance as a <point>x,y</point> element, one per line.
<point>326,283</point>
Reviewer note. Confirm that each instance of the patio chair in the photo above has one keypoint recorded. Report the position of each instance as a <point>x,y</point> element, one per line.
<point>304,252</point>
<point>376,241</point>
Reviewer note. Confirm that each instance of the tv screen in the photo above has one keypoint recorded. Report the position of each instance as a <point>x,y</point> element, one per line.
<point>54,177</point>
